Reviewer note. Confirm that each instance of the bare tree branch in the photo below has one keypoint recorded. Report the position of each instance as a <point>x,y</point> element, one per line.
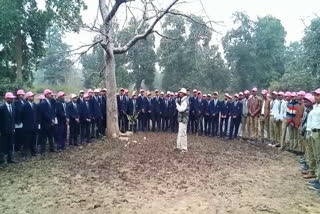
<point>163,36</point>
<point>85,51</point>
<point>136,38</point>
<point>113,11</point>
<point>104,10</point>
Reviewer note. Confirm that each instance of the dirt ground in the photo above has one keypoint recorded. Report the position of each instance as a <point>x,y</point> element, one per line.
<point>148,176</point>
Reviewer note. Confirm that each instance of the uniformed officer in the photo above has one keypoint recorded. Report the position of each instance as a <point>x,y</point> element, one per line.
<point>74,120</point>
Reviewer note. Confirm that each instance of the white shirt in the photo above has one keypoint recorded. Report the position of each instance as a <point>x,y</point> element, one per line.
<point>313,121</point>
<point>9,107</point>
<point>275,107</point>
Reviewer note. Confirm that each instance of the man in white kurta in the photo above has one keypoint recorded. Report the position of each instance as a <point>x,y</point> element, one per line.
<point>183,114</point>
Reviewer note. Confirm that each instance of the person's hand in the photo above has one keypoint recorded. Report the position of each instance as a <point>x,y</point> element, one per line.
<point>308,135</point>
<point>77,120</point>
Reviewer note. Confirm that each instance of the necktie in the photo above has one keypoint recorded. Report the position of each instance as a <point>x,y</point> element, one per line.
<point>10,109</point>
<point>280,106</point>
<point>87,105</point>
<point>134,106</point>
<point>64,107</point>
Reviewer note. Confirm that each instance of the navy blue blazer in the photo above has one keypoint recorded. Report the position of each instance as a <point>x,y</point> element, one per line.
<point>236,109</point>
<point>95,108</point>
<point>47,114</point>
<point>7,119</point>
<point>29,117</point>
<point>61,112</point>
<point>142,102</point>
<point>122,104</point>
<point>72,112</point>
<point>80,100</point>
<point>165,108</point>
<point>224,108</point>
<point>214,109</point>
<point>18,107</point>
<point>132,107</point>
<point>156,105</point>
<point>84,112</point>
<point>103,105</point>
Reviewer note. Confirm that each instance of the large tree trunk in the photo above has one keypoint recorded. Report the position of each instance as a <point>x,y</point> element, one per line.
<point>19,56</point>
<point>138,85</point>
<point>111,86</point>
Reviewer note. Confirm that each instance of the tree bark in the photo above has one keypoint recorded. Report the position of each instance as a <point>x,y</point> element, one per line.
<point>138,85</point>
<point>19,56</point>
<point>111,86</point>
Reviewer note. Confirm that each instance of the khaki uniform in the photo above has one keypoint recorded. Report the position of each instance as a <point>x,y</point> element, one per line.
<point>264,119</point>
<point>254,107</point>
<point>245,118</point>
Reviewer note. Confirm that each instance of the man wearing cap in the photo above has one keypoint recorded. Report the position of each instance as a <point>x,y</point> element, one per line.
<point>245,115</point>
<point>165,110</point>
<point>207,124</point>
<point>224,118</point>
<point>95,104</point>
<point>156,112</point>
<point>7,126</point>
<point>48,119</point>
<point>133,109</point>
<point>30,125</point>
<point>282,117</point>
<point>61,112</point>
<point>18,103</point>
<point>254,108</point>
<point>183,114</point>
<point>235,113</point>
<point>142,104</point>
<point>291,113</point>
<point>80,98</point>
<point>104,102</point>
<point>310,163</point>
<point>299,143</point>
<point>122,109</point>
<point>313,127</point>
<point>264,117</point>
<point>214,110</point>
<point>85,115</point>
<point>74,120</point>
<point>272,122</point>
<point>200,107</point>
<point>173,113</point>
<point>148,111</point>
<point>192,112</point>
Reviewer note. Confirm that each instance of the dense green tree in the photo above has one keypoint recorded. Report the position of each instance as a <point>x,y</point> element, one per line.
<point>23,29</point>
<point>56,64</point>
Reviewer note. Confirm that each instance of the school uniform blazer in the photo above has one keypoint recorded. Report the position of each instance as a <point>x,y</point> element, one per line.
<point>47,114</point>
<point>7,119</point>
<point>18,106</point>
<point>214,108</point>
<point>61,113</point>
<point>236,110</point>
<point>84,112</point>
<point>95,108</point>
<point>29,117</point>
<point>72,112</point>
<point>131,107</point>
<point>156,105</point>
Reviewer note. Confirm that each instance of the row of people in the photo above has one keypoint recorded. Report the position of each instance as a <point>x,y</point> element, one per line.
<point>26,125</point>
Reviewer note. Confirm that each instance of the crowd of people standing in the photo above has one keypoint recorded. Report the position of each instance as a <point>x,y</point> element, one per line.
<point>287,120</point>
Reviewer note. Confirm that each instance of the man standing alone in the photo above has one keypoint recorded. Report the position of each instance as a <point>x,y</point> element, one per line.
<point>183,114</point>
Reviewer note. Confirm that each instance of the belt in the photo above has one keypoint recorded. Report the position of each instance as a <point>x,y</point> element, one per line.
<point>315,130</point>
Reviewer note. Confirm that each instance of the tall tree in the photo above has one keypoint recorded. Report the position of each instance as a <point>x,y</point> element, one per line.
<point>270,46</point>
<point>25,27</point>
<point>56,64</point>
<point>239,48</point>
<point>311,43</point>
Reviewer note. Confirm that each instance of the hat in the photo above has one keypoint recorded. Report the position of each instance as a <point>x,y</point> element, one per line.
<point>80,92</point>
<point>287,94</point>
<point>204,95</point>
<point>156,90</point>
<point>183,90</point>
<point>226,94</point>
<point>317,91</point>
<point>264,92</point>
<point>199,92</point>
<point>176,94</point>
<point>281,93</point>
<point>274,93</point>
<point>73,96</point>
<point>104,89</point>
<point>309,97</point>
<point>195,91</point>
<point>301,93</point>
<point>254,89</point>
<point>141,90</point>
<point>20,92</point>
<point>162,92</point>
<point>209,95</point>
<point>96,90</point>
<point>60,94</point>
<point>229,96</point>
<point>41,97</point>
<point>126,91</point>
<point>236,95</point>
<point>241,93</point>
<point>29,94</point>
<point>148,93</point>
<point>47,91</point>
<point>9,95</point>
<point>246,92</point>
<point>216,93</point>
<point>90,90</point>
<point>134,93</point>
<point>294,94</point>
<point>122,89</point>
<point>86,95</point>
